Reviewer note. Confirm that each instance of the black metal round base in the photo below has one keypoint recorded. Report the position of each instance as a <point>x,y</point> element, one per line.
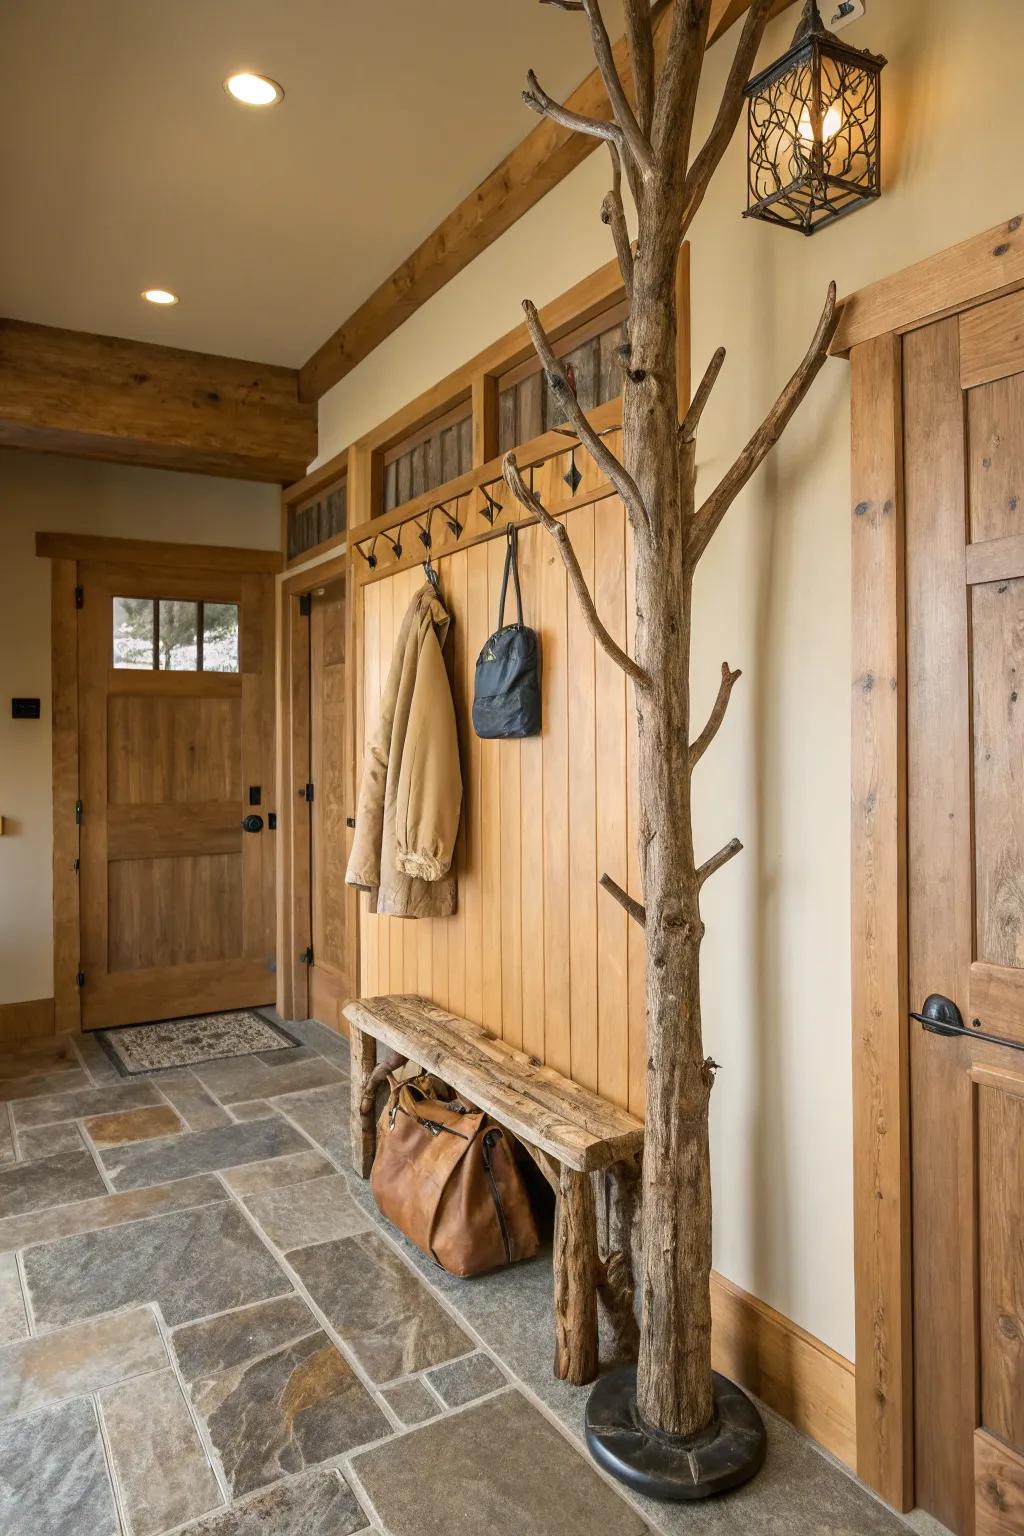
<point>672,1467</point>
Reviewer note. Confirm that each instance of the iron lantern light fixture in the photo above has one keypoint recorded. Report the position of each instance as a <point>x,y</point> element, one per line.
<point>814,125</point>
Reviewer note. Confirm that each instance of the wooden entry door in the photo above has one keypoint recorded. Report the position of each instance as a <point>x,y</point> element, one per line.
<point>176,735</point>
<point>963,401</point>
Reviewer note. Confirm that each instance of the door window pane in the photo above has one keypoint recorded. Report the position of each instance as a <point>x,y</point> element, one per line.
<point>220,637</point>
<point>178,635</point>
<point>133,632</point>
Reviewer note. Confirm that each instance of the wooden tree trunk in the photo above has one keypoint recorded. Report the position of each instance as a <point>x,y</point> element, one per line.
<point>674,1371</point>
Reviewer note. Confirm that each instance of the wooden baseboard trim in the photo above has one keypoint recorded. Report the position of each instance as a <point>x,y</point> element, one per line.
<point>23,1021</point>
<point>797,1375</point>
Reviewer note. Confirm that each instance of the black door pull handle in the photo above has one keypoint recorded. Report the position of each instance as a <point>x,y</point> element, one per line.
<point>941,1016</point>
<point>252,823</point>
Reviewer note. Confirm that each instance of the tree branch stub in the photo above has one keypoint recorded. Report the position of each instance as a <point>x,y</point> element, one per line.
<point>629,903</point>
<point>708,868</point>
<point>717,715</point>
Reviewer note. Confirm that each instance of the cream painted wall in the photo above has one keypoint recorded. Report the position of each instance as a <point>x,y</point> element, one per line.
<point>773,598</point>
<point>42,492</point>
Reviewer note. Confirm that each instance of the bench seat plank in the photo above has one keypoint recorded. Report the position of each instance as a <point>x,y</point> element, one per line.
<point>536,1103</point>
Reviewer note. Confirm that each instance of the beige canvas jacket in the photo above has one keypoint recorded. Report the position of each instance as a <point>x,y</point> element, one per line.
<point>410,799</point>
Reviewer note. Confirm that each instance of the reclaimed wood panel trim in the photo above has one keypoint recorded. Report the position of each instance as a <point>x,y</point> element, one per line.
<point>29,1020</point>
<point>200,557</point>
<point>807,1382</point>
<point>132,402</point>
<point>992,341</point>
<point>984,267</point>
<point>998,1487</point>
<point>881,1091</point>
<point>995,560</point>
<point>66,1004</point>
<point>543,159</point>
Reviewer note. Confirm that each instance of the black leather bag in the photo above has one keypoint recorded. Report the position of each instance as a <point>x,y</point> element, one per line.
<point>506,700</point>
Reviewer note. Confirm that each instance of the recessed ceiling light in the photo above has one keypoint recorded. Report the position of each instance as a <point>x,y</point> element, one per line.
<point>159,296</point>
<point>253,90</point>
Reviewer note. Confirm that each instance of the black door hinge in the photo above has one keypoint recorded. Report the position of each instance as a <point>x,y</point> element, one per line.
<point>78,813</point>
<point>350,821</point>
<point>306,604</point>
<point>309,793</point>
<point>77,865</point>
<point>79,597</point>
<point>255,794</point>
<point>307,955</point>
<point>80,979</point>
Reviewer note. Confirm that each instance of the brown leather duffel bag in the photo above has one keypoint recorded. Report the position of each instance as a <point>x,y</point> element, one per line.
<point>445,1174</point>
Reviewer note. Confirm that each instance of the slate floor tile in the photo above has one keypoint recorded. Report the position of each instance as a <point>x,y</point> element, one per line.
<point>133,1125</point>
<point>323,1115</point>
<point>463,1380</point>
<point>412,1402</point>
<point>107,1211</point>
<point>273,1392</point>
<point>506,1468</point>
<point>252,1109</point>
<point>313,1212</point>
<point>192,1262</point>
<point>49,1181</point>
<point>321,1504</point>
<point>199,1111</point>
<point>6,1139</point>
<point>53,1474</point>
<point>42,1084</point>
<point>48,1140</point>
<point>384,1313</point>
<point>13,1320</point>
<point>95,1059</point>
<point>254,1178</point>
<point>159,1460</point>
<point>247,1077</point>
<point>225,1146</point>
<point>53,1107</point>
<point>329,1043</point>
<point>78,1360</point>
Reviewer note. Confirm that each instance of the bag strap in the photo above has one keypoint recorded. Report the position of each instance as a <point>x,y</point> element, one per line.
<point>511,563</point>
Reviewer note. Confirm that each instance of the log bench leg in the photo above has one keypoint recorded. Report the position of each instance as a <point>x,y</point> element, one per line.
<point>576,1269</point>
<point>363,1050</point>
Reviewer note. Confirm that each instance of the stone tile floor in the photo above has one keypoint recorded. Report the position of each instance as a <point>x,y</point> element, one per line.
<point>207,1329</point>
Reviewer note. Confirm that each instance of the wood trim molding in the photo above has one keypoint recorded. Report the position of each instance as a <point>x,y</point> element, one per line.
<point>543,159</point>
<point>984,267</point>
<point>66,1004</point>
<point>25,1021</point>
<point>881,1082</point>
<point>130,402</point>
<point>201,557</point>
<point>797,1375</point>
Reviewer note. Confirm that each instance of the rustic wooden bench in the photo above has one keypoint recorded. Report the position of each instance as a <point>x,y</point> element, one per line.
<point>570,1132</point>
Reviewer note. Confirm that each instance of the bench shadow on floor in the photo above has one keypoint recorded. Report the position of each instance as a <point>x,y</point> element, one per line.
<point>206,1328</point>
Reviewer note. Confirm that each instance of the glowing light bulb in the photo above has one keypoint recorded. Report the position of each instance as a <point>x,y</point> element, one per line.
<point>829,128</point>
<point>253,90</point>
<point>159,296</point>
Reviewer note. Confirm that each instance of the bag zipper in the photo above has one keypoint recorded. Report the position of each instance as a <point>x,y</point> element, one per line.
<point>433,1126</point>
<point>489,1141</point>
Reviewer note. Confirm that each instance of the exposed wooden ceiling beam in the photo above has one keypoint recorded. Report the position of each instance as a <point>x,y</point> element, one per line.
<point>99,397</point>
<point>543,159</point>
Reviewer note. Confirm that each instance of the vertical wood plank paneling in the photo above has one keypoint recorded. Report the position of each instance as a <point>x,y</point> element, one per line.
<point>409,931</point>
<point>610,808</point>
<point>511,845</point>
<point>492,555</point>
<point>879,927</point>
<point>454,570</point>
<point>637,949</point>
<point>386,643</point>
<point>555,742</point>
<point>582,817</point>
<point>532,543</point>
<point>368,709</point>
<point>471,888</point>
<point>64,652</point>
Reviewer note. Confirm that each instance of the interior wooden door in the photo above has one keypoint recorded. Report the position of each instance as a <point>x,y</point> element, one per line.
<point>331,979</point>
<point>964,469</point>
<point>176,749</point>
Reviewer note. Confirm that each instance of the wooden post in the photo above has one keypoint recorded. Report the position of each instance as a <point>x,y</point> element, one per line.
<point>363,1050</point>
<point>576,1266</point>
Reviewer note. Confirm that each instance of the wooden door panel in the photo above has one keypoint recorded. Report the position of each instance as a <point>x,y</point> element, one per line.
<point>997,617</point>
<point>999,1487</point>
<point>177,912</point>
<point>1000,1118</point>
<point>995,416</point>
<point>330,980</point>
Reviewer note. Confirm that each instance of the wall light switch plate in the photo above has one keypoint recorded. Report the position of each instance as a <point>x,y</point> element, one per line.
<point>842,13</point>
<point>24,709</point>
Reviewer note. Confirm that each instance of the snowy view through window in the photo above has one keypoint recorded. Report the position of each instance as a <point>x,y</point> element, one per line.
<point>175,635</point>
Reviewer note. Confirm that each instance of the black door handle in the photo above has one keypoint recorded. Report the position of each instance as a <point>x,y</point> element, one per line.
<point>252,823</point>
<point>941,1016</point>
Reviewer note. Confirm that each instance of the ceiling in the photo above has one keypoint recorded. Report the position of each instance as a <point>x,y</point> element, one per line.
<point>125,165</point>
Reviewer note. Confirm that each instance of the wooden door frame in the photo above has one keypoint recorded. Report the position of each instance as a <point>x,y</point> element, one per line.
<point>64,551</point>
<point>294,908</point>
<point>874,320</point>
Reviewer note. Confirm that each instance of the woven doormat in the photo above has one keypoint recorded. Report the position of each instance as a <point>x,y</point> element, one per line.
<point>139,1048</point>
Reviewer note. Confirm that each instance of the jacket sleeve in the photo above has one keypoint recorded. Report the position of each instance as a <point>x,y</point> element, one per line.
<point>364,861</point>
<point>429,800</point>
